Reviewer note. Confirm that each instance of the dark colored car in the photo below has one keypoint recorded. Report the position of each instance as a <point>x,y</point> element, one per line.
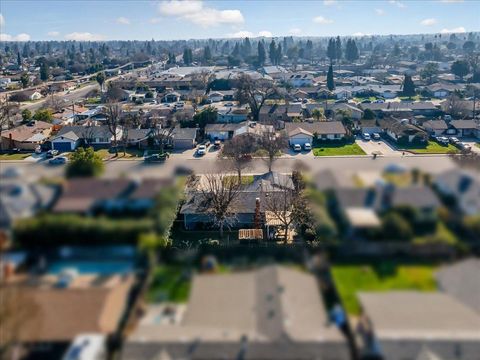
<point>155,158</point>
<point>51,153</point>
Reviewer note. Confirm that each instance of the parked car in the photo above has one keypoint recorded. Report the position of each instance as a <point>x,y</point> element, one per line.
<point>464,147</point>
<point>59,160</point>
<point>183,170</point>
<point>454,140</point>
<point>307,147</point>
<point>376,136</point>
<point>379,101</point>
<point>217,144</point>
<point>442,140</point>
<point>202,150</point>
<point>52,153</point>
<point>155,158</point>
<point>366,136</point>
<point>38,150</point>
<point>297,147</point>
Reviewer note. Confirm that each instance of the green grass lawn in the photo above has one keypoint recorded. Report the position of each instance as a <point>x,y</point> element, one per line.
<point>333,150</point>
<point>246,179</point>
<point>432,148</point>
<point>129,153</point>
<point>350,279</point>
<point>170,283</point>
<point>477,145</point>
<point>17,156</point>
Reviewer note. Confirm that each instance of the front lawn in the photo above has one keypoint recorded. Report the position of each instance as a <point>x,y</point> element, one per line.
<point>336,149</point>
<point>170,283</point>
<point>16,156</point>
<point>384,276</point>
<point>106,154</point>
<point>477,145</point>
<point>431,148</point>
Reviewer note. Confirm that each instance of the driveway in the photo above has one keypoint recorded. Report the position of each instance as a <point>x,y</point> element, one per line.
<point>379,146</point>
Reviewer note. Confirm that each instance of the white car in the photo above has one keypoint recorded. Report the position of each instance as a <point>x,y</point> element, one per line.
<point>307,147</point>
<point>366,136</point>
<point>376,136</point>
<point>297,147</point>
<point>202,150</point>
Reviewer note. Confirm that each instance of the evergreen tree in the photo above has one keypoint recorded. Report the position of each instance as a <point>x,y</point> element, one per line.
<point>338,48</point>
<point>273,52</point>
<point>247,48</point>
<point>279,54</point>
<point>44,73</point>
<point>408,86</point>
<point>351,50</point>
<point>330,81</point>
<point>19,59</point>
<point>207,54</point>
<point>331,51</point>
<point>261,53</point>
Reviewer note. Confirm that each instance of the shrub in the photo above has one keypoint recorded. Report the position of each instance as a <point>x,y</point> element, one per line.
<point>84,163</point>
<point>57,229</point>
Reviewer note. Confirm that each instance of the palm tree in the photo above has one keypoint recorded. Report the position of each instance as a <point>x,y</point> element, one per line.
<point>317,114</point>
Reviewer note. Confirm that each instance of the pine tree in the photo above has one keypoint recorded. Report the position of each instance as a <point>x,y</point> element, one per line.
<point>207,54</point>
<point>330,81</point>
<point>44,71</point>
<point>331,51</point>
<point>338,48</point>
<point>261,53</point>
<point>279,54</point>
<point>19,59</point>
<point>408,86</point>
<point>273,52</point>
<point>247,48</point>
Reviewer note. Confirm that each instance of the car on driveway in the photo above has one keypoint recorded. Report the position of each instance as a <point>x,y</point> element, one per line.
<point>442,140</point>
<point>59,160</point>
<point>464,147</point>
<point>52,153</point>
<point>155,158</point>
<point>202,150</point>
<point>376,136</point>
<point>454,140</point>
<point>366,136</point>
<point>297,147</point>
<point>307,147</point>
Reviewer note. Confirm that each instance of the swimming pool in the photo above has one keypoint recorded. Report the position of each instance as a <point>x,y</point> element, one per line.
<point>91,267</point>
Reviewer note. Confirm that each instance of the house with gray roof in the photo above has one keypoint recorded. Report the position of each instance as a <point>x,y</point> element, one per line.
<point>273,312</point>
<point>399,325</point>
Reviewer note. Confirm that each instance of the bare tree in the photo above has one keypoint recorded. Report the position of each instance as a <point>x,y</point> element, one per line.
<point>113,112</point>
<point>273,145</point>
<point>162,132</point>
<point>237,150</point>
<point>7,110</point>
<point>54,102</point>
<point>254,93</point>
<point>203,77</point>
<point>219,192</point>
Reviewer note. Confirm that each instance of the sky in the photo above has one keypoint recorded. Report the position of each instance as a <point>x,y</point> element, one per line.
<point>23,20</point>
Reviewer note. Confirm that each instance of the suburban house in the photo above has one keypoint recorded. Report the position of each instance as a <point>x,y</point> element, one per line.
<point>232,114</point>
<point>171,97</point>
<point>69,138</point>
<point>403,109</point>
<point>306,132</point>
<point>28,136</point>
<point>228,131</point>
<point>460,280</point>
<point>251,316</point>
<point>137,137</point>
<point>368,126</point>
<point>280,112</point>
<point>360,207</point>
<point>183,138</point>
<point>301,79</point>
<point>398,325</point>
<point>443,90</point>
<point>466,128</point>
<point>401,131</point>
<point>224,95</point>
<point>19,200</point>
<point>463,186</point>
<point>60,307</point>
<point>32,95</point>
<point>195,209</point>
<point>111,196</point>
<point>435,127</point>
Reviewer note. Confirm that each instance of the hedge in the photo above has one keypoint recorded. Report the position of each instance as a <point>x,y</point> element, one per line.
<point>62,229</point>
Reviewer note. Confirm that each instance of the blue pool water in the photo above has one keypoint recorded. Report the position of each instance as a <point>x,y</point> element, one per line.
<point>91,267</point>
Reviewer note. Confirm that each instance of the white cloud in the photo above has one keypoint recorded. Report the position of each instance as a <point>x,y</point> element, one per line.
<point>84,36</point>
<point>322,20</point>
<point>295,31</point>
<point>195,12</point>
<point>2,20</point>
<point>123,21</point>
<point>329,2</point>
<point>179,8</point>
<point>155,20</point>
<point>459,29</point>
<point>428,22</point>
<point>19,37</point>
<point>397,3</point>
<point>53,33</point>
<point>245,33</point>
<point>360,34</point>
<point>451,1</point>
<point>265,33</point>
<point>380,12</point>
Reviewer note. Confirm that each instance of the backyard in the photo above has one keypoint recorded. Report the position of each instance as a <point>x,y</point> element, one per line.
<point>338,149</point>
<point>382,276</point>
<point>170,283</point>
<point>432,147</point>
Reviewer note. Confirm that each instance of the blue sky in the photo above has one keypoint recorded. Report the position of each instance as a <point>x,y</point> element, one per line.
<point>173,19</point>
